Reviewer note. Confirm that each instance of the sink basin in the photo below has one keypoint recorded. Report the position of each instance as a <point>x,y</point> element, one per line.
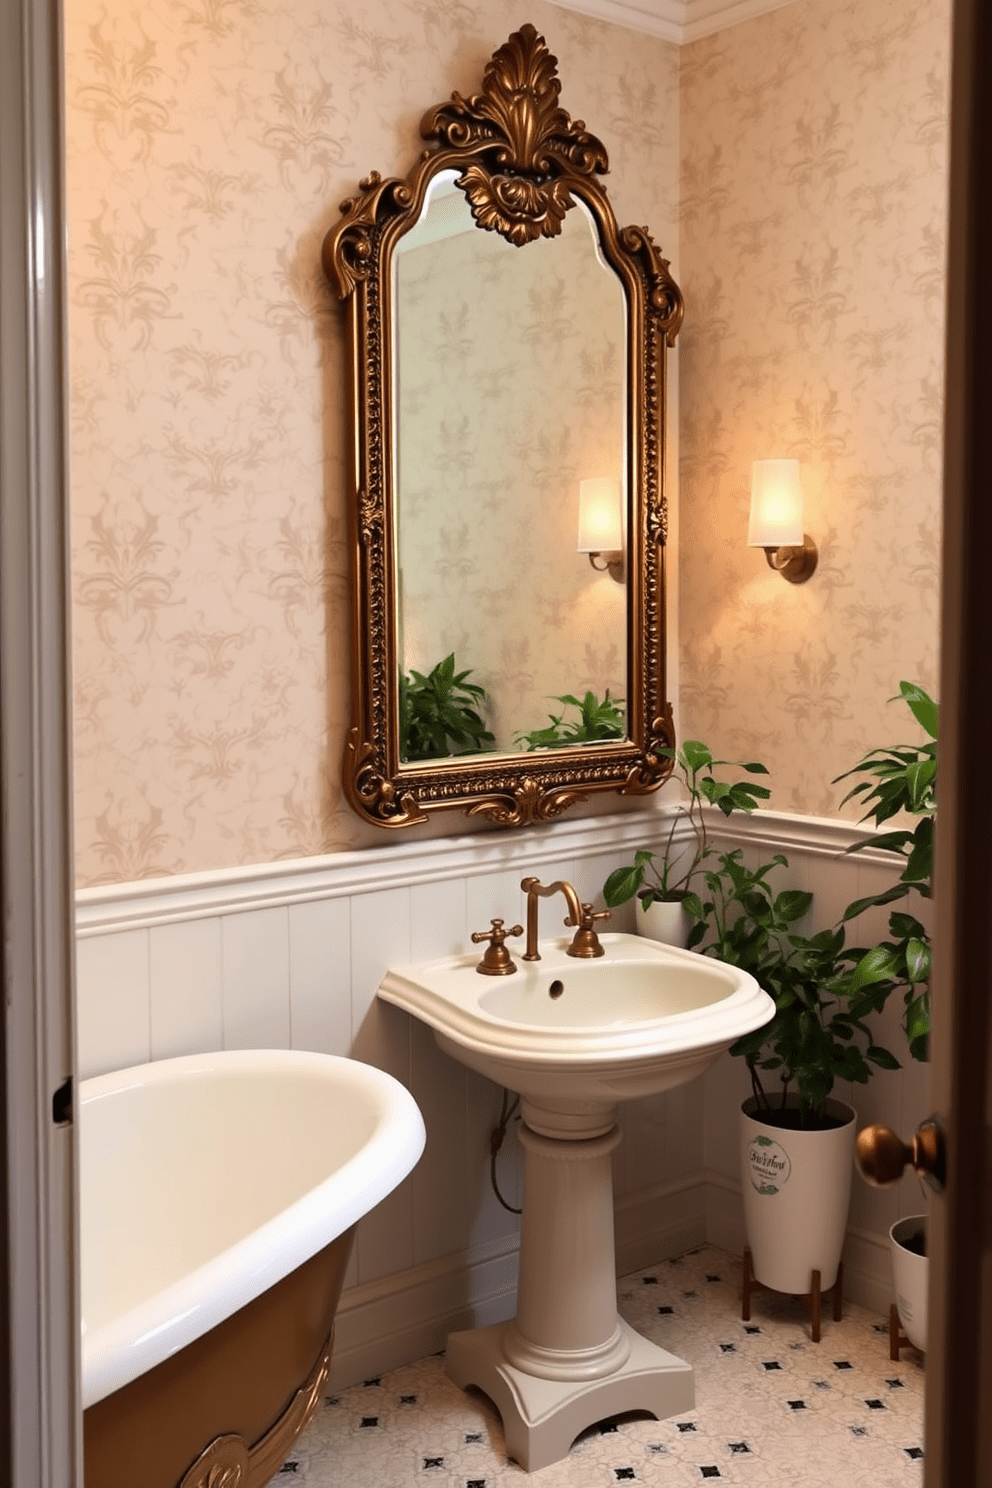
<point>574,1037</point>
<point>638,1020</point>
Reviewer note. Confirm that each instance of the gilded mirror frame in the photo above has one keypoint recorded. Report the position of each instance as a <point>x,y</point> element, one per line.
<point>522,162</point>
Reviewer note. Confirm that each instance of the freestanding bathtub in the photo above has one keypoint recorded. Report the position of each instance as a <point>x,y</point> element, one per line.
<point>219,1195</point>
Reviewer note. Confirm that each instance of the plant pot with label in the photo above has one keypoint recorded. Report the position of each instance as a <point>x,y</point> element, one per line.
<point>910,1271</point>
<point>797,1140</point>
<point>664,920</point>
<point>797,1190</point>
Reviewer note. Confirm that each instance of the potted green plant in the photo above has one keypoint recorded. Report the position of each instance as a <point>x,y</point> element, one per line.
<point>825,994</point>
<point>662,880</point>
<point>900,781</point>
<point>439,713</point>
<point>797,1139</point>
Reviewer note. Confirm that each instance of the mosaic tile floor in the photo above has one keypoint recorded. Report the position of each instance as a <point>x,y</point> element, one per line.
<point>773,1408</point>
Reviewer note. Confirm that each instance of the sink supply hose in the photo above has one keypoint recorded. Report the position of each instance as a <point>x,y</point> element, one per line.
<point>496,1141</point>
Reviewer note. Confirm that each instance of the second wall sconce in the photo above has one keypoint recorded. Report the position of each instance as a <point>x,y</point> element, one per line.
<point>601,525</point>
<point>776,522</point>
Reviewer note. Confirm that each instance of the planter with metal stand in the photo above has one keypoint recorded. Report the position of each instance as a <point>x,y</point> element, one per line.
<point>797,1190</point>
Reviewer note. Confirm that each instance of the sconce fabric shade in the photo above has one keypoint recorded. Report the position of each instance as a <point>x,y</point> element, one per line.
<point>600,517</point>
<point>776,505</point>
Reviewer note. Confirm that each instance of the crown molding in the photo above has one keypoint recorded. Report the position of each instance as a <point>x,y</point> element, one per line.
<point>679,21</point>
<point>664,18</point>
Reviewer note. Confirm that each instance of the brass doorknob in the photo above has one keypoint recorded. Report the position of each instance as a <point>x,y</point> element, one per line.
<point>881,1155</point>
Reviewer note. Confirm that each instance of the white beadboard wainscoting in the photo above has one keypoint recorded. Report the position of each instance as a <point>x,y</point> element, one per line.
<point>289,955</point>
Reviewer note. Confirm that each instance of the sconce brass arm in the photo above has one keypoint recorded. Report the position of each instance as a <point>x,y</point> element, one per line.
<point>794,564</point>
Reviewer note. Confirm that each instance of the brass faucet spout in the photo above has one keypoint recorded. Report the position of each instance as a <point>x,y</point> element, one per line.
<point>534,890</point>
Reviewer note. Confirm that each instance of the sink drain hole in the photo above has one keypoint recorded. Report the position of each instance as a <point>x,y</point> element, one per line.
<point>556,988</point>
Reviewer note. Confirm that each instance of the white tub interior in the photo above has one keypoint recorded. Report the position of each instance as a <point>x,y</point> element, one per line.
<point>204,1180</point>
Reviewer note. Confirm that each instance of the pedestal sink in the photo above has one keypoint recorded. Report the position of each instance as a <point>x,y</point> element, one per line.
<point>573,1038</point>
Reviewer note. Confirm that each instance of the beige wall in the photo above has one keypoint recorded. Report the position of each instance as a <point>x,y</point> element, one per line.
<point>209,146</point>
<point>208,150</point>
<point>812,253</point>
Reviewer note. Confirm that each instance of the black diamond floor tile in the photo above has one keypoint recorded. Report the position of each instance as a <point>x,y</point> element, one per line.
<point>771,1408</point>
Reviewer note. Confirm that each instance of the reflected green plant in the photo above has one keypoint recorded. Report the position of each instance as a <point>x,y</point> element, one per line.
<point>598,720</point>
<point>440,713</point>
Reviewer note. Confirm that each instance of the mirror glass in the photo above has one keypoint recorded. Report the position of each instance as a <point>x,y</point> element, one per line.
<point>509,365</point>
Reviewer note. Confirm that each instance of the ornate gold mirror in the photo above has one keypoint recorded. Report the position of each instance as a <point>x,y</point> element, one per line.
<point>508,349</point>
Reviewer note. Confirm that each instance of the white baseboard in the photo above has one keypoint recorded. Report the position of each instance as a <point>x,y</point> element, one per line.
<point>655,1223</point>
<point>868,1271</point>
<point>408,1316</point>
<point>724,1214</point>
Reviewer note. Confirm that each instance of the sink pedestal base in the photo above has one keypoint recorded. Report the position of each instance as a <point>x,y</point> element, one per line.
<point>567,1360</point>
<point>542,1417</point>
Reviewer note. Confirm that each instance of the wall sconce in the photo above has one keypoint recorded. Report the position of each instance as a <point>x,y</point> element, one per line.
<point>776,522</point>
<point>601,526</point>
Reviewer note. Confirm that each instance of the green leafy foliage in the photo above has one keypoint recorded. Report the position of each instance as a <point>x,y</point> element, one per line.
<point>597,721</point>
<point>825,992</point>
<point>440,713</point>
<point>902,780</point>
<point>819,1033</point>
<point>664,875</point>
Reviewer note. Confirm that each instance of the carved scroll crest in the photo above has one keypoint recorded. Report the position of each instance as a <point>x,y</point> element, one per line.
<point>655,766</point>
<point>349,254</point>
<point>529,803</point>
<point>528,141</point>
<point>374,795</point>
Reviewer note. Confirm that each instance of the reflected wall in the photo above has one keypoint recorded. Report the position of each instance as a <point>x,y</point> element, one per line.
<point>511,369</point>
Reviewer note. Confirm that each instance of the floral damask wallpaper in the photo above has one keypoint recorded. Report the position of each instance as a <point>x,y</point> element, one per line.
<point>793,168</point>
<point>814,188</point>
<point>209,144</point>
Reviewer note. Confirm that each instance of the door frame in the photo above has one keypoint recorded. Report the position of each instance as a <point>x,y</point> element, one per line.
<point>39,1322</point>
<point>40,1416</point>
<point>959,1360</point>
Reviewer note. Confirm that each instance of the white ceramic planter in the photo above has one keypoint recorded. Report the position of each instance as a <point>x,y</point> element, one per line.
<point>664,920</point>
<point>797,1190</point>
<point>910,1273</point>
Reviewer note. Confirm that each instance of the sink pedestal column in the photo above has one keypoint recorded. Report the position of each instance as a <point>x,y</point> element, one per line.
<point>567,1360</point>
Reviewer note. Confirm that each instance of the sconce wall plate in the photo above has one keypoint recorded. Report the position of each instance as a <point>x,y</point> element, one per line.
<point>794,564</point>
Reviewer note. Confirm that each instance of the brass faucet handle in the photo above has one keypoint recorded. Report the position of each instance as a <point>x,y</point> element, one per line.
<point>497,960</point>
<point>585,941</point>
